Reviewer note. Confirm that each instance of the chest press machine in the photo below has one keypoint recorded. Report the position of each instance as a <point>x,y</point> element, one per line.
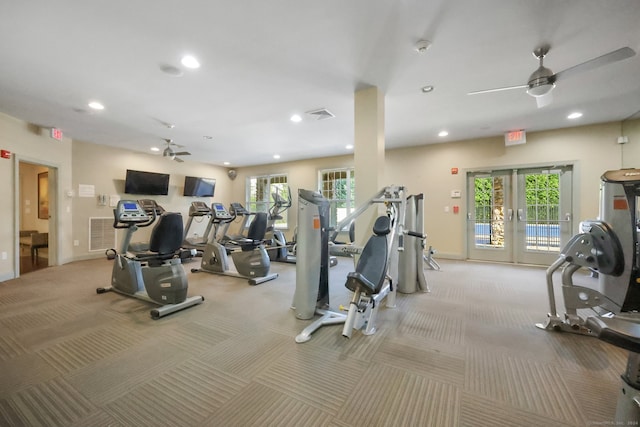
<point>610,247</point>
<point>382,265</point>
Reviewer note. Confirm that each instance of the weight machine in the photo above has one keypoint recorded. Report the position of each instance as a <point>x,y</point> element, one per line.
<point>610,247</point>
<point>368,283</point>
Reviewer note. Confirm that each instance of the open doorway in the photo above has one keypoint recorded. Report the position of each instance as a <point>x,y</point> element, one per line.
<point>37,201</point>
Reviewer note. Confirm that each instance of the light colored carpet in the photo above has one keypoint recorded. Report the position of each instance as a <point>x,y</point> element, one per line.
<point>466,354</point>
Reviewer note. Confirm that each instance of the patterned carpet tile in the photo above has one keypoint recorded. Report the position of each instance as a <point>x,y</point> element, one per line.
<point>247,355</point>
<point>320,378</point>
<point>260,406</point>
<point>525,384</point>
<point>52,403</point>
<point>184,395</point>
<point>386,396</point>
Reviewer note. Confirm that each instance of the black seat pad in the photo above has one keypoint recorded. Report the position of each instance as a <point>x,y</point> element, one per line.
<point>371,270</point>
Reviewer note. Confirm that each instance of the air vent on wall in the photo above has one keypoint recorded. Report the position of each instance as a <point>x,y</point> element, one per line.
<point>321,114</point>
<point>102,235</point>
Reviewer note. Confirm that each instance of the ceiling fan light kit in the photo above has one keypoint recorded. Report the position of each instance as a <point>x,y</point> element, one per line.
<point>542,81</point>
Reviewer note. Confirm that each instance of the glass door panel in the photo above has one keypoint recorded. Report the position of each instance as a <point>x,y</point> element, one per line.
<point>489,217</point>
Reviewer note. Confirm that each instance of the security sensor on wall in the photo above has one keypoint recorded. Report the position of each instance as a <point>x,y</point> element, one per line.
<point>232,173</point>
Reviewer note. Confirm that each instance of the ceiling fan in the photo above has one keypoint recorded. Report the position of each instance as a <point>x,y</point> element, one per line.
<point>542,81</point>
<point>168,151</point>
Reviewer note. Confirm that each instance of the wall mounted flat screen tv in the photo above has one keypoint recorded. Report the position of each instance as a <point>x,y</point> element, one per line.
<point>149,183</point>
<point>199,187</point>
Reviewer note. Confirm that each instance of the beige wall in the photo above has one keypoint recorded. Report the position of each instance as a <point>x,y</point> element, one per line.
<point>423,169</point>
<point>591,149</point>
<point>31,144</point>
<point>105,168</point>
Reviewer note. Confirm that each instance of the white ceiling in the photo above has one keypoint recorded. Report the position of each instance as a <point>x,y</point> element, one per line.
<point>263,61</point>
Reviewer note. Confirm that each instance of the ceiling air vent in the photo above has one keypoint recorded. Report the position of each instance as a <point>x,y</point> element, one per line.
<point>321,114</point>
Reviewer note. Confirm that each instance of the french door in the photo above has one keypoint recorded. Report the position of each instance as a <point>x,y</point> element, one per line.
<point>519,215</point>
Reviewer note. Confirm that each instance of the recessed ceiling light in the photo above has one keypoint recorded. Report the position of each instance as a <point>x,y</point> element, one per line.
<point>296,118</point>
<point>276,156</point>
<point>443,133</point>
<point>575,115</point>
<point>96,105</point>
<point>155,149</point>
<point>190,61</point>
<point>226,163</point>
<point>427,89</point>
<point>349,147</point>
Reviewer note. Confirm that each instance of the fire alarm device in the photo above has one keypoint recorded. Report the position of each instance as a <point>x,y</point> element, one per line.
<point>5,154</point>
<point>454,171</point>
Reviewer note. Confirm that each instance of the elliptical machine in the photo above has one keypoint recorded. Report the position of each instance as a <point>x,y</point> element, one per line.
<point>279,249</point>
<point>156,276</point>
<point>249,256</point>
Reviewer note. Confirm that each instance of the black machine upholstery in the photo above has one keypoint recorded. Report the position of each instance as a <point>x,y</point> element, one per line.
<point>256,232</point>
<point>166,236</point>
<point>371,270</point>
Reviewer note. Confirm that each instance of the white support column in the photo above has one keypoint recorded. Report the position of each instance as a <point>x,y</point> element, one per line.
<point>368,154</point>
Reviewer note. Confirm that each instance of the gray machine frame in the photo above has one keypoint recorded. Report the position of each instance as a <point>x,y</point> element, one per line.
<point>312,269</point>
<point>197,209</point>
<point>144,277</point>
<point>252,265</point>
<point>616,294</point>
<point>609,247</point>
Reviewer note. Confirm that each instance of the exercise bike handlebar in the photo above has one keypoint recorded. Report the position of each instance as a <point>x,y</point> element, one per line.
<point>128,217</point>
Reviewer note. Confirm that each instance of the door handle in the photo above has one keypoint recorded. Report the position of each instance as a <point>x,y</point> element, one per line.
<point>509,214</point>
<point>520,214</point>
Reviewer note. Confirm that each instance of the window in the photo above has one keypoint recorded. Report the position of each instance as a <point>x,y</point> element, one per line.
<point>261,191</point>
<point>338,186</point>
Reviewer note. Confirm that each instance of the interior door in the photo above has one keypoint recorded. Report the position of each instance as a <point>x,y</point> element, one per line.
<point>490,216</point>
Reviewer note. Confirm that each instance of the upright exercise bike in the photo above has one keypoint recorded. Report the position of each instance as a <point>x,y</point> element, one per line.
<point>156,276</point>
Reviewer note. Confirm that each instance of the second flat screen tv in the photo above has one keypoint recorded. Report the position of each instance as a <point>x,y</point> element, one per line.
<point>149,183</point>
<point>199,187</point>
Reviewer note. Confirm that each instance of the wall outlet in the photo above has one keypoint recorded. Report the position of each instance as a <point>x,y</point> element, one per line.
<point>76,243</point>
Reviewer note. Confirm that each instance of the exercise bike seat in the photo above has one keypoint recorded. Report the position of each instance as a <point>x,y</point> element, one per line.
<point>166,237</point>
<point>255,234</point>
<point>371,270</point>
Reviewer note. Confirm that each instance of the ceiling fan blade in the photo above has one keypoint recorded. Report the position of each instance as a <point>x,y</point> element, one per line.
<point>499,89</point>
<point>544,100</point>
<point>182,153</point>
<point>178,159</point>
<point>607,58</point>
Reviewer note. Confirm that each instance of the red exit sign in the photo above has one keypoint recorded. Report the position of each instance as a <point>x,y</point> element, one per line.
<point>515,137</point>
<point>56,134</point>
